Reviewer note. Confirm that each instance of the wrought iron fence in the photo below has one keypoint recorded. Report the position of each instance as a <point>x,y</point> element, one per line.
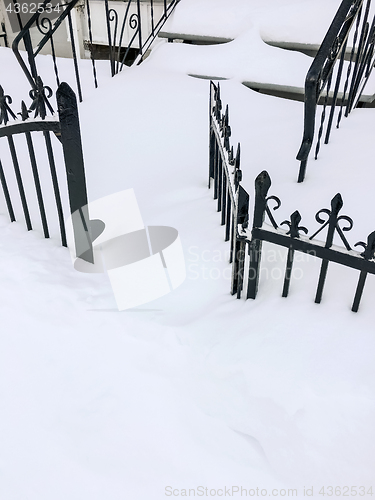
<point>224,169</point>
<point>343,63</point>
<point>66,129</point>
<point>131,27</point>
<point>226,175</point>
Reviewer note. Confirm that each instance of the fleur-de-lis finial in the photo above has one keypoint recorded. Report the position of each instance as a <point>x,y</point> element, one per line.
<point>369,247</point>
<point>226,129</point>
<point>24,111</point>
<point>218,104</point>
<point>39,97</point>
<point>5,110</point>
<point>333,221</point>
<point>293,224</point>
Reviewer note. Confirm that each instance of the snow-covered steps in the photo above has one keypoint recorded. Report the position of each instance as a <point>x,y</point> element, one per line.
<point>268,47</point>
<point>209,21</point>
<point>192,38</point>
<point>296,25</point>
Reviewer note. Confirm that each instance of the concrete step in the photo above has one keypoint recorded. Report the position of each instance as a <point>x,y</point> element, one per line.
<point>193,39</point>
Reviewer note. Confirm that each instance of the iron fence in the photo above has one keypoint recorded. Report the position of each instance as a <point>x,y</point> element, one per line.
<point>343,63</point>
<point>131,28</point>
<point>224,171</point>
<point>66,129</point>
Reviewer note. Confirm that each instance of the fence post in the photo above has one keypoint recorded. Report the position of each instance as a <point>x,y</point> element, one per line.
<point>139,28</point>
<point>336,206</point>
<point>110,45</point>
<point>367,254</point>
<point>241,217</point>
<point>73,155</point>
<point>262,185</point>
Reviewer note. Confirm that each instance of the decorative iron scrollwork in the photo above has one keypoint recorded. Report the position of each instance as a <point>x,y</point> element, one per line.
<point>268,211</point>
<point>40,99</point>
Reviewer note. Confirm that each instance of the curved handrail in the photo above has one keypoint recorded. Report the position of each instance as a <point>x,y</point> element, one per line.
<point>320,73</point>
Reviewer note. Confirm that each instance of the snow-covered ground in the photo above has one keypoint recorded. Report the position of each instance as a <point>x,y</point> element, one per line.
<point>196,389</point>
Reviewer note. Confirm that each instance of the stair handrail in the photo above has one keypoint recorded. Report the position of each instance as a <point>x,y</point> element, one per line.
<point>320,75</point>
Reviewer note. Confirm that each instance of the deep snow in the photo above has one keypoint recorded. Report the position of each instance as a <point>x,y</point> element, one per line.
<point>196,388</point>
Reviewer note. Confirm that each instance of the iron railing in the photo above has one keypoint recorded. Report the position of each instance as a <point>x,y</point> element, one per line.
<point>47,29</point>
<point>343,63</point>
<point>226,175</point>
<point>131,30</point>
<point>141,31</point>
<point>66,129</point>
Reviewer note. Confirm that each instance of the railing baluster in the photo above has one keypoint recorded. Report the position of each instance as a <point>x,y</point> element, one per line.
<point>216,167</point>
<point>224,199</point>
<point>6,193</point>
<point>90,39</point>
<point>336,205</point>
<point>359,56</point>
<point>37,183</point>
<point>228,217</point>
<point>152,17</point>
<point>335,93</point>
<point>219,184</point>
<point>365,60</point>
<point>110,45</point>
<point>78,80</point>
<point>56,188</point>
<point>19,182</point>
<point>212,146</point>
<point>54,62</point>
<point>139,28</point>
<point>288,272</point>
<point>323,117</point>
<point>352,55</point>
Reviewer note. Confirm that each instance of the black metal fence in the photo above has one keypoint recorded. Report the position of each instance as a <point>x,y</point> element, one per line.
<point>131,30</point>
<point>232,199</point>
<point>22,132</point>
<point>338,74</point>
<point>226,175</point>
